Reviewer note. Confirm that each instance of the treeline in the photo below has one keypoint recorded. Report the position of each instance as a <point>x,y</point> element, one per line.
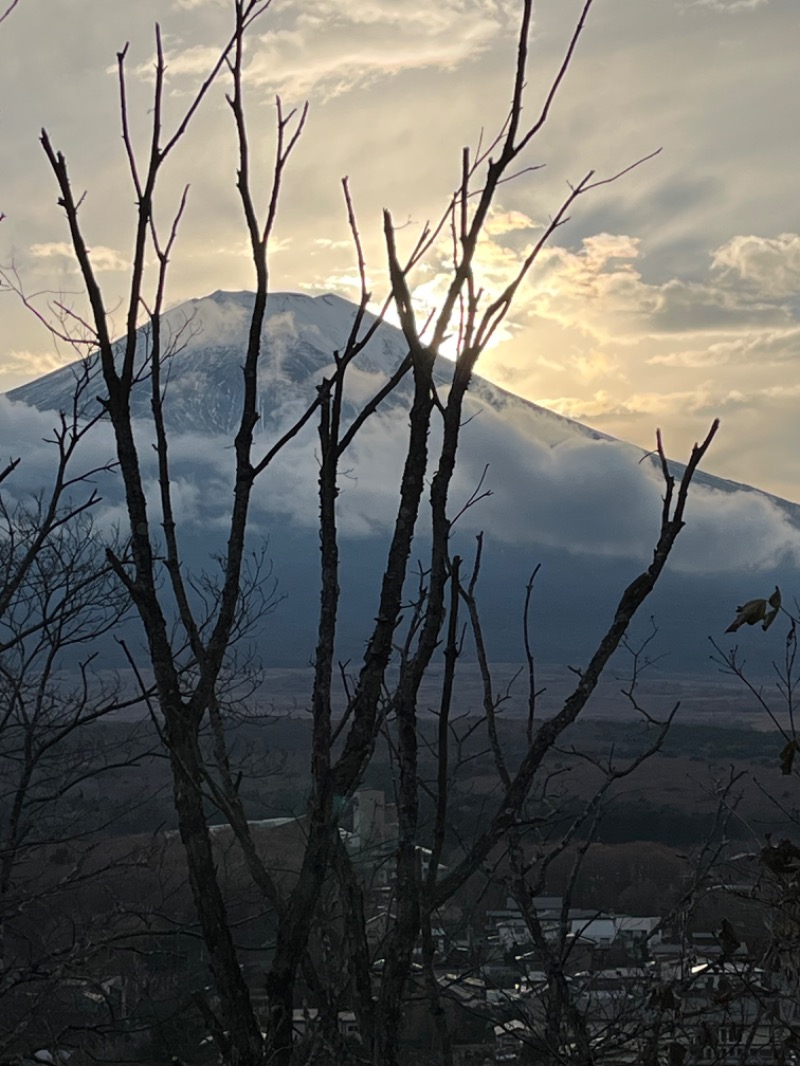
<point>273,753</point>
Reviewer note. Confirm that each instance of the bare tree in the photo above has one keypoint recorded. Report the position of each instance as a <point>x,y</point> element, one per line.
<point>764,878</point>
<point>188,659</point>
<point>28,524</point>
<point>55,754</point>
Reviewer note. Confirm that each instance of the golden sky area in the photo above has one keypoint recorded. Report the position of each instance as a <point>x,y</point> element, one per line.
<point>669,298</point>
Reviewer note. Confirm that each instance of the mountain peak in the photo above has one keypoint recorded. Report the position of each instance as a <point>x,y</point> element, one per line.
<point>561,493</point>
<point>207,338</point>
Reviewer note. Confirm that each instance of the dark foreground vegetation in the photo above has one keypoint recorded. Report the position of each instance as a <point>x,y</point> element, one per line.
<point>637,897</point>
<point>670,801</point>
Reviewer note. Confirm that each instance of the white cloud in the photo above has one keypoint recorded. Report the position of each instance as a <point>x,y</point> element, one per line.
<point>28,434</point>
<point>107,259</point>
<point>599,291</point>
<point>770,265</point>
<point>361,43</point>
<point>192,61</point>
<point>103,259</point>
<point>731,6</point>
<point>320,47</point>
<point>771,347</point>
<point>388,13</point>
<point>502,221</point>
<point>61,249</point>
<point>592,337</point>
<point>283,65</point>
<point>590,497</point>
<point>551,485</point>
<point>32,364</point>
<point>736,533</point>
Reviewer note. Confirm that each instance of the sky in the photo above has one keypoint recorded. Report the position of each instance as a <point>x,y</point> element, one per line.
<point>670,297</point>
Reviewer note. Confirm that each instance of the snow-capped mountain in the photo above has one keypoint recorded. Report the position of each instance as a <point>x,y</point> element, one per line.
<point>208,337</point>
<point>203,380</point>
<point>563,494</point>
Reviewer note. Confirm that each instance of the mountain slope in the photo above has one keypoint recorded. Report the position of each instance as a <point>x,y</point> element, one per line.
<point>300,335</point>
<point>204,384</point>
<point>576,500</point>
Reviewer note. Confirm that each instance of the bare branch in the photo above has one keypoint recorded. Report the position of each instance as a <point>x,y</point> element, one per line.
<point>8,10</point>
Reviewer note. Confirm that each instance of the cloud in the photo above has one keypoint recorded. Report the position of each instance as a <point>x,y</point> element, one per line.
<point>103,259</point>
<point>730,7</point>
<point>771,347</point>
<point>619,349</point>
<point>387,13</point>
<point>321,48</point>
<point>708,398</point>
<point>31,364</point>
<point>598,290</point>
<point>220,320</point>
<point>193,61</point>
<point>282,63</point>
<point>596,498</point>
<point>609,341</point>
<point>107,259</point>
<point>362,43</point>
<point>502,248</point>
<point>770,266</point>
<point>553,486</point>
<point>30,435</point>
<point>52,248</point>
<point>590,497</point>
<point>501,221</point>
<point>736,533</point>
